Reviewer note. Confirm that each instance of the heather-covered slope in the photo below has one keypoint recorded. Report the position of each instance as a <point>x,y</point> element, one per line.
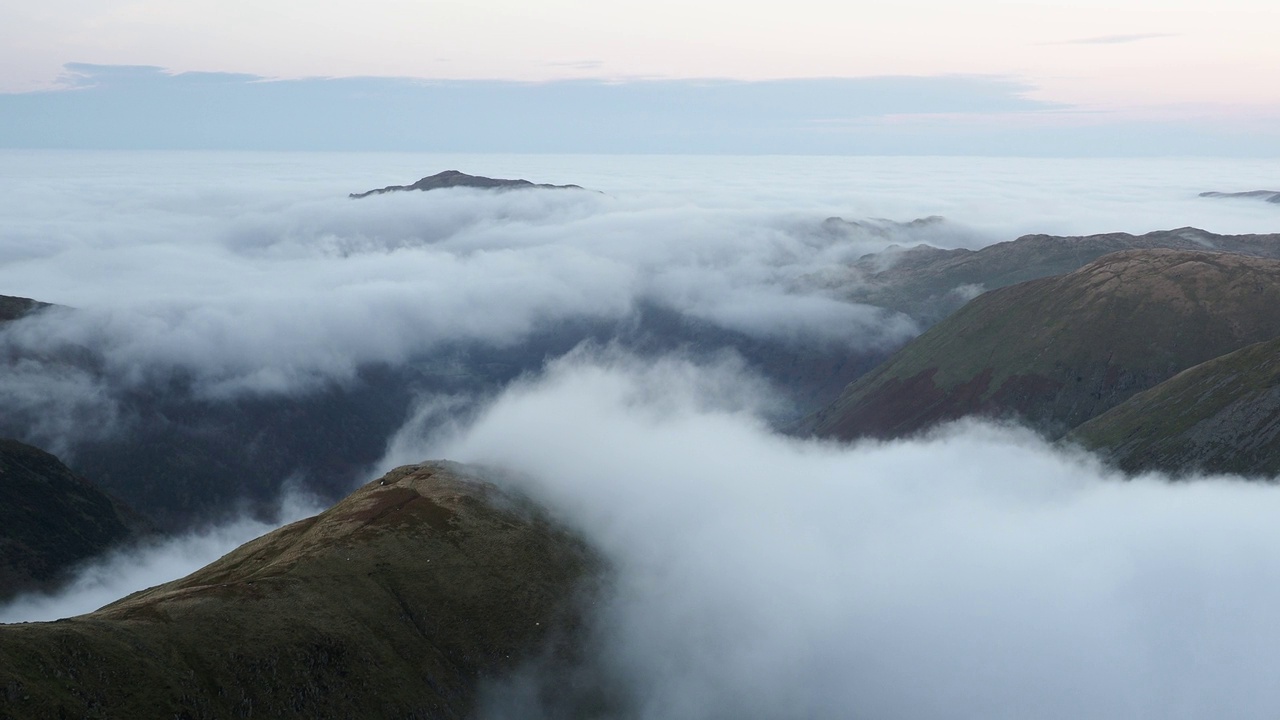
<point>1219,416</point>
<point>1057,351</point>
<point>50,519</point>
<point>396,602</point>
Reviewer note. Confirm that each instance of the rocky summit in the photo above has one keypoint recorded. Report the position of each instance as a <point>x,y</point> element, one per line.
<point>400,601</point>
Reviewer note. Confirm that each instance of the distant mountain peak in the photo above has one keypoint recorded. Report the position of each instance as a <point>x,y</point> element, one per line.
<point>457,178</point>
<point>1271,196</point>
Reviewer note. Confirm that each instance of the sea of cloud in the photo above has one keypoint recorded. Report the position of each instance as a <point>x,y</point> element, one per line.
<point>258,274</point>
<point>974,573</point>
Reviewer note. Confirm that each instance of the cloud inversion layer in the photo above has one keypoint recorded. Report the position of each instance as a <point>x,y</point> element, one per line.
<point>973,573</point>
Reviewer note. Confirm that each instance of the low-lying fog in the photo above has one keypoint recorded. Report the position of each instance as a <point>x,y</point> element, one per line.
<point>975,573</point>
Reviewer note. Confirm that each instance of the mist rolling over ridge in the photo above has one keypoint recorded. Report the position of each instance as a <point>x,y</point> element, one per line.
<point>975,572</point>
<point>231,333</point>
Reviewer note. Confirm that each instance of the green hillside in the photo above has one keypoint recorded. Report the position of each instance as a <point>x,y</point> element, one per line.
<point>1058,351</point>
<point>1219,416</point>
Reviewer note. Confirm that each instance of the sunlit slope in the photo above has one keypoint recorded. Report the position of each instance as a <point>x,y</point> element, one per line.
<point>1219,416</point>
<point>50,519</point>
<point>396,602</point>
<point>1057,351</point>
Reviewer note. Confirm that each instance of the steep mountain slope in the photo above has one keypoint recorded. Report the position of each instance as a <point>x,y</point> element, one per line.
<point>1058,351</point>
<point>929,283</point>
<point>396,602</point>
<point>50,519</point>
<point>1219,416</point>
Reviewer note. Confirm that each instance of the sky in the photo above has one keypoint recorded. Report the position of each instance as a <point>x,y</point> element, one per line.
<point>1133,77</point>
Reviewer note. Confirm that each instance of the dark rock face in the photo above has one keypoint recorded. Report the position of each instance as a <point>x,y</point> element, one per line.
<point>50,519</point>
<point>1221,416</point>
<point>397,602</point>
<point>1271,196</point>
<point>1058,351</point>
<point>454,178</point>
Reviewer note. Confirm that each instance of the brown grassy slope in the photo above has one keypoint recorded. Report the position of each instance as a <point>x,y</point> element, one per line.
<point>394,603</point>
<point>1058,351</point>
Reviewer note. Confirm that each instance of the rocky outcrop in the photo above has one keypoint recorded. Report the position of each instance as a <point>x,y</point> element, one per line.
<point>454,179</point>
<point>400,601</point>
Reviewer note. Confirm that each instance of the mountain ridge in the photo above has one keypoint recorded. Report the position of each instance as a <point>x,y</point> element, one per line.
<point>1057,351</point>
<point>399,601</point>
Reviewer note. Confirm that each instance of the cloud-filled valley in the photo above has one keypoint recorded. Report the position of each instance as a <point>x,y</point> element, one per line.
<point>976,572</point>
<point>630,358</point>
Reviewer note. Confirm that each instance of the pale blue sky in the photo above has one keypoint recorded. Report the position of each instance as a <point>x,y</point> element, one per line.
<point>1084,77</point>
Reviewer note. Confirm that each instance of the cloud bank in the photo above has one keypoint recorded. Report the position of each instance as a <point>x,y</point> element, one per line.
<point>236,278</point>
<point>255,274</point>
<point>975,573</point>
<point>104,580</point>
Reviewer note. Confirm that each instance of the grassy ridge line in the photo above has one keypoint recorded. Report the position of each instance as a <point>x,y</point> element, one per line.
<point>396,602</point>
